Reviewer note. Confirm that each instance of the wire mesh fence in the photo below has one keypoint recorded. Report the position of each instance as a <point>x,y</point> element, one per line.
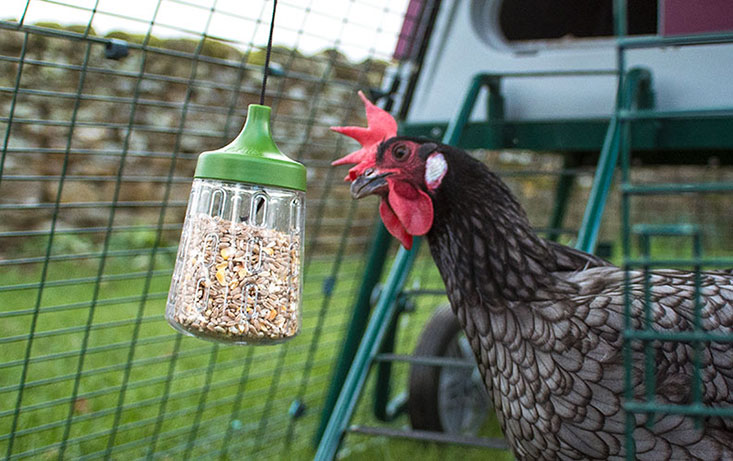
<point>104,107</point>
<point>102,120</point>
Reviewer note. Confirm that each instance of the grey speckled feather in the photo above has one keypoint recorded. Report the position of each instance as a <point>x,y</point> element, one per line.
<point>545,323</point>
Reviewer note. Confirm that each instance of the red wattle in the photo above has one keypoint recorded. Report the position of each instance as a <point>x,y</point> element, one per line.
<point>393,224</point>
<point>413,207</point>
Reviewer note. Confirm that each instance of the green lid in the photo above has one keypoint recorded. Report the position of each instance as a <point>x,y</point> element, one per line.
<point>253,157</point>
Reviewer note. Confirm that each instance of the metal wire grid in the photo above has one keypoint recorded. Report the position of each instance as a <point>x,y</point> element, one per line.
<point>88,230</point>
<point>684,235</point>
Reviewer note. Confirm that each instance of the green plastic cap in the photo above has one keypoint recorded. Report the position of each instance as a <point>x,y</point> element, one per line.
<point>253,157</point>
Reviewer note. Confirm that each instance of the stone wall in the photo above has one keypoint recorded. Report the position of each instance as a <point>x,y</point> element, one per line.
<point>73,100</point>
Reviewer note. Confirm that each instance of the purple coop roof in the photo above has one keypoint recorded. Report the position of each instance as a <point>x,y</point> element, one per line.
<point>408,34</point>
<point>682,17</point>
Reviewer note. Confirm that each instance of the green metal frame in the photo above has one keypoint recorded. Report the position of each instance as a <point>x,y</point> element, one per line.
<point>715,123</point>
<point>635,91</point>
<point>379,322</point>
<point>653,136</point>
<point>664,141</point>
<point>563,191</point>
<point>358,324</point>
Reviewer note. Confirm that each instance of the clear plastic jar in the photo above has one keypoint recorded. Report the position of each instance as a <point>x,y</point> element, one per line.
<point>238,271</point>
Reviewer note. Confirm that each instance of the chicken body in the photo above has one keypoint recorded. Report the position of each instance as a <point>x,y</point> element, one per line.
<point>545,321</point>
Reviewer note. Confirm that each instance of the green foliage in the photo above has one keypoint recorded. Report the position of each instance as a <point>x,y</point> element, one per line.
<point>76,28</point>
<point>278,54</point>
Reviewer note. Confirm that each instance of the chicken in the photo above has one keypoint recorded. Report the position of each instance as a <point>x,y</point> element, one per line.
<point>545,321</point>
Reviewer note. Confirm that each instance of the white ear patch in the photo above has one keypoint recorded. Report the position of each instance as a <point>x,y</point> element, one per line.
<point>435,169</point>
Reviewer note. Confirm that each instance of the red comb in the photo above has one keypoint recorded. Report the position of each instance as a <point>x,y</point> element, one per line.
<point>381,126</point>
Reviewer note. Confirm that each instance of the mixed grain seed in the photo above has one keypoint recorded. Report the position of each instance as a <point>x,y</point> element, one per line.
<point>239,282</point>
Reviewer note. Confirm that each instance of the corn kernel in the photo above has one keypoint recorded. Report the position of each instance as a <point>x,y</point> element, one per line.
<point>220,276</point>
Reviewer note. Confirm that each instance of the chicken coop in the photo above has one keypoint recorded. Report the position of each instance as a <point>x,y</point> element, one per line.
<point>611,122</point>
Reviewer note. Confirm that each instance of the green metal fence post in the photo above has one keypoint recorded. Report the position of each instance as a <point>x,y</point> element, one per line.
<point>455,128</point>
<point>378,323</point>
<point>590,226</point>
<point>562,194</point>
<point>495,112</point>
<point>382,386</point>
<point>358,323</point>
<point>634,90</point>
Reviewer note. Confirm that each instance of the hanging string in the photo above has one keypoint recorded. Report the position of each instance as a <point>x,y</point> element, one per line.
<point>267,55</point>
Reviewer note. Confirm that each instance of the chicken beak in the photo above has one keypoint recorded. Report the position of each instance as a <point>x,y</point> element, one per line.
<point>371,182</point>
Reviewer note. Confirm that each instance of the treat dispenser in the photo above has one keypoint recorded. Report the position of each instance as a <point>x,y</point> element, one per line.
<point>238,274</point>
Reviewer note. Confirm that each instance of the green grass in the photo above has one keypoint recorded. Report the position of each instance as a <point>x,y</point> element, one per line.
<point>191,396</point>
<point>399,450</point>
<point>222,401</point>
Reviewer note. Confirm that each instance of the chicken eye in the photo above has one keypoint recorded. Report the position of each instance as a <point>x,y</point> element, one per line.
<point>400,152</point>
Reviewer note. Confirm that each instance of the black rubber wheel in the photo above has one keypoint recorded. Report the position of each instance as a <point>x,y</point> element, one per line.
<point>446,399</point>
